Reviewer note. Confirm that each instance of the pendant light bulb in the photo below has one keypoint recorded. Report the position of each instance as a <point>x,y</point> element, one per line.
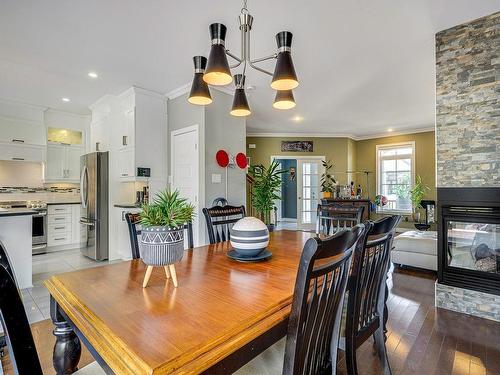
<point>284,99</point>
<point>200,93</point>
<point>240,106</point>
<point>217,72</point>
<point>284,77</point>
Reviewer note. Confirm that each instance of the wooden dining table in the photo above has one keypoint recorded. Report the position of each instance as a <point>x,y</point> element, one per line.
<point>223,313</point>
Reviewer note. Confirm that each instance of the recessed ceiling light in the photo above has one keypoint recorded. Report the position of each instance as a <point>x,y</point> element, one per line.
<point>65,100</point>
<point>93,75</point>
<point>297,118</point>
<point>389,130</point>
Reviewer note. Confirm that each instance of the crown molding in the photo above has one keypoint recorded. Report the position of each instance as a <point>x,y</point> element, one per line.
<point>303,135</point>
<point>179,91</point>
<point>184,89</point>
<point>23,104</point>
<point>341,135</point>
<point>70,114</point>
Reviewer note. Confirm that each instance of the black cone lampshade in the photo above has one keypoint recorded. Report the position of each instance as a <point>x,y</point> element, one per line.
<point>284,77</point>
<point>240,103</point>
<point>217,72</point>
<point>284,99</point>
<point>200,93</point>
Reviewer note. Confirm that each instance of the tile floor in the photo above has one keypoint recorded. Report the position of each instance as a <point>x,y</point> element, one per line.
<point>36,299</point>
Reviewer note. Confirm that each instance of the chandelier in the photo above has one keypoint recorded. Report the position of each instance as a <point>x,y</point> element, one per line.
<point>216,70</point>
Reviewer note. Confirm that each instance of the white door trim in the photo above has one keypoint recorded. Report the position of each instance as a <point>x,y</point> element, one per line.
<point>199,232</point>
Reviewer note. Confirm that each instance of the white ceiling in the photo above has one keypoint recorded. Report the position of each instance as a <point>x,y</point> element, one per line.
<point>364,65</point>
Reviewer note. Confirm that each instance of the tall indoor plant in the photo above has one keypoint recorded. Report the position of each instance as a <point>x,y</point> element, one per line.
<point>416,195</point>
<point>266,189</point>
<point>328,182</point>
<point>162,236</point>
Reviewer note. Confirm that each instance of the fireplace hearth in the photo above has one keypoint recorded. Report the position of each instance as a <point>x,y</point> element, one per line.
<point>469,238</point>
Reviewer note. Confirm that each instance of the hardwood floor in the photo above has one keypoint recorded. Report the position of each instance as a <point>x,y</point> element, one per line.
<point>421,340</point>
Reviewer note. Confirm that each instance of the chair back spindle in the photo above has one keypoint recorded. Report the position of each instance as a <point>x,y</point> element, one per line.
<point>313,330</point>
<point>331,218</point>
<point>220,220</point>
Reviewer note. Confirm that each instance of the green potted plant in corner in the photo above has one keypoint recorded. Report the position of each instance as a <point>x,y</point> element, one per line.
<point>328,182</point>
<point>403,193</point>
<point>162,234</point>
<point>416,195</point>
<point>266,189</point>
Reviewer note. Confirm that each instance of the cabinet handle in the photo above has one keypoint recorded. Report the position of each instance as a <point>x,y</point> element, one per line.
<point>17,158</point>
<point>59,227</point>
<point>64,144</point>
<point>124,174</point>
<point>59,209</point>
<point>124,140</point>
<point>18,140</point>
<point>59,239</point>
<point>97,144</point>
<point>59,218</point>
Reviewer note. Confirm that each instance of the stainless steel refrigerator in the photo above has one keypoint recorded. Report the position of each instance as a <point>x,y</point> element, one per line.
<point>94,181</point>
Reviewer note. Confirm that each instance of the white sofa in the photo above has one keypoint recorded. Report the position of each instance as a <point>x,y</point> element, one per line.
<point>416,248</point>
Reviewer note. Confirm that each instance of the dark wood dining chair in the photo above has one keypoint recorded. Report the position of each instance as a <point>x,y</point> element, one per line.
<point>5,263</point>
<point>314,323</point>
<point>367,292</point>
<point>22,350</point>
<point>220,220</point>
<point>133,223</point>
<point>331,218</point>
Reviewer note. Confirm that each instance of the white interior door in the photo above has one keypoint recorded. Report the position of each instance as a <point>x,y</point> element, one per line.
<point>308,192</point>
<point>185,170</point>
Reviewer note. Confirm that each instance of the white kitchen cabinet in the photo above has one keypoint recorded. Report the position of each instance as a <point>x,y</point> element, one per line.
<point>22,152</point>
<point>126,131</point>
<point>98,138</point>
<point>64,228</point>
<point>121,248</point>
<point>126,163</point>
<point>63,163</point>
<point>17,131</point>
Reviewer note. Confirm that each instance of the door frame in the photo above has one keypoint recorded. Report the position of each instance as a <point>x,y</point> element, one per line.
<point>199,233</point>
<point>300,157</point>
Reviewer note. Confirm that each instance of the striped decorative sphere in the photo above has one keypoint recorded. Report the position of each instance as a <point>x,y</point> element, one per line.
<point>249,236</point>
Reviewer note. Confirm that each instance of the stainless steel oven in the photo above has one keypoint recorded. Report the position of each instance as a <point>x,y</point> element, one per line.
<point>39,227</point>
<point>39,231</point>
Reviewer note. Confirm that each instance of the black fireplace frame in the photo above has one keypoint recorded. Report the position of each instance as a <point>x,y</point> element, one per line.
<point>481,204</point>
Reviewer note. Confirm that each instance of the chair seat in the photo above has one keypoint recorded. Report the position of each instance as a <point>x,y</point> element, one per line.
<point>269,362</point>
<point>91,369</point>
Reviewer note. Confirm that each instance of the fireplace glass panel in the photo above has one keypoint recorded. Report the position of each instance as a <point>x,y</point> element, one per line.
<point>474,246</point>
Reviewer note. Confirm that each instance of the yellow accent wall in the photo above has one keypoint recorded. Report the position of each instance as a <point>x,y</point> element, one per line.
<point>334,149</point>
<point>425,159</point>
<point>349,155</point>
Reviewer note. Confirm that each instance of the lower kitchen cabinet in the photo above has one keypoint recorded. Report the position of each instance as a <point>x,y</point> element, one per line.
<point>64,230</point>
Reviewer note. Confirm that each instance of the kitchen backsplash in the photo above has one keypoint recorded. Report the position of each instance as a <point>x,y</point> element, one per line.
<point>51,189</point>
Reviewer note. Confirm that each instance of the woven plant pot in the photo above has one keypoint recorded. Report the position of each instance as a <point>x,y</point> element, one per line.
<point>161,246</point>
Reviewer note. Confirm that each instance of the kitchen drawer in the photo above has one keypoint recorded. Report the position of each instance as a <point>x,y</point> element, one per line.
<point>59,218</point>
<point>59,209</point>
<point>59,228</point>
<point>56,239</point>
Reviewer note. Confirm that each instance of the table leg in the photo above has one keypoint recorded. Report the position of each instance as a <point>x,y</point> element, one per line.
<point>386,310</point>
<point>67,349</point>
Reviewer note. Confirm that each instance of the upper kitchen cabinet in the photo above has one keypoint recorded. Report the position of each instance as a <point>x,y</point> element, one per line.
<point>133,127</point>
<point>19,132</point>
<point>63,163</point>
<point>65,136</point>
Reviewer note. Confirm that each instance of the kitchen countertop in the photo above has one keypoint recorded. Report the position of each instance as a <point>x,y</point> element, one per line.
<point>16,212</point>
<point>47,197</point>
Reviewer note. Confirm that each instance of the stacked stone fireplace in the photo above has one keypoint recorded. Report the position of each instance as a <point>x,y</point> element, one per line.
<point>468,167</point>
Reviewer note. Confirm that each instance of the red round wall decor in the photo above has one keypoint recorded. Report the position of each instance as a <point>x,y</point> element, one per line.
<point>222,158</point>
<point>241,160</point>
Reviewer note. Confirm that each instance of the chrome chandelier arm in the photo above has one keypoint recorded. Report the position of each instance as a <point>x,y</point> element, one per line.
<point>239,61</point>
<point>252,62</point>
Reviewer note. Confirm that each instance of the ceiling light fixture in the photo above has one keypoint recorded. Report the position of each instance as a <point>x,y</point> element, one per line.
<point>284,99</point>
<point>218,70</point>
<point>240,103</point>
<point>93,75</point>
<point>389,130</point>
<point>65,100</point>
<point>200,93</point>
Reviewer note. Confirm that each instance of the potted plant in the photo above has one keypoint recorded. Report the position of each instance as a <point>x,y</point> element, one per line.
<point>416,195</point>
<point>327,180</point>
<point>402,192</point>
<point>162,234</point>
<point>266,189</point>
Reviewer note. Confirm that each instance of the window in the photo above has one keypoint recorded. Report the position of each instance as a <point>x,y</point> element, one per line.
<point>395,176</point>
